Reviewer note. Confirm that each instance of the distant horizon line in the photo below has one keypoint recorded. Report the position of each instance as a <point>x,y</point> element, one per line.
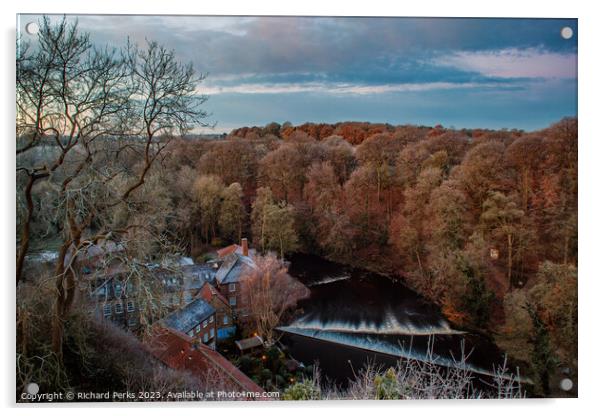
<point>227,130</point>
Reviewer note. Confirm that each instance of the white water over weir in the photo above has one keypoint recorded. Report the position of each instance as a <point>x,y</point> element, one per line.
<point>353,312</point>
<point>390,325</point>
<point>376,344</point>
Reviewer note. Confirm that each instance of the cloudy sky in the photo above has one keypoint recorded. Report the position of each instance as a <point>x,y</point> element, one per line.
<point>514,73</point>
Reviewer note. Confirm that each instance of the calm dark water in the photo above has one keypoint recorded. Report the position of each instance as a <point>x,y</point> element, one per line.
<point>353,317</point>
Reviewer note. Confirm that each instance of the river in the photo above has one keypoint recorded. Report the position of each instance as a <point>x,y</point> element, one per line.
<point>354,316</point>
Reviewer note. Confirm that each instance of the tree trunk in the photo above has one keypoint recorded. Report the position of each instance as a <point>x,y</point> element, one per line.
<point>263,219</point>
<point>526,189</point>
<point>509,262</point>
<point>378,184</point>
<point>565,254</point>
<point>281,247</point>
<point>24,245</point>
<point>419,262</point>
<point>59,304</point>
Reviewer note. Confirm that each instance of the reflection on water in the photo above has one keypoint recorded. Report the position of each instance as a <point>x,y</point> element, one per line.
<point>354,316</point>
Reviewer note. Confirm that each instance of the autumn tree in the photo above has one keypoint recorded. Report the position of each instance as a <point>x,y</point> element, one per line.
<point>408,227</point>
<point>282,171</point>
<point>341,155</point>
<point>448,217</point>
<point>558,198</point>
<point>273,223</point>
<point>525,155</point>
<point>554,296</point>
<point>515,334</point>
<point>322,189</point>
<point>232,160</point>
<point>232,212</point>
<point>182,218</point>
<point>542,355</point>
<point>409,162</point>
<point>501,217</point>
<point>208,194</point>
<point>366,214</point>
<point>480,171</point>
<point>378,153</point>
<point>541,321</point>
<point>269,291</point>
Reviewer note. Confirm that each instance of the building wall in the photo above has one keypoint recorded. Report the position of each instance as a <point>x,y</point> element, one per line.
<point>119,304</point>
<point>207,334</point>
<point>232,293</point>
<point>224,318</point>
<point>123,312</point>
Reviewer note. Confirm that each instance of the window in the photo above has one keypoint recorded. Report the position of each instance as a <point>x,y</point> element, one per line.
<point>226,320</point>
<point>119,308</point>
<point>131,307</point>
<point>132,321</point>
<point>233,301</point>
<point>205,337</point>
<point>232,287</point>
<point>211,319</point>
<point>102,291</point>
<point>197,329</point>
<point>191,333</point>
<point>107,309</point>
<point>205,323</point>
<point>117,290</point>
<point>211,333</point>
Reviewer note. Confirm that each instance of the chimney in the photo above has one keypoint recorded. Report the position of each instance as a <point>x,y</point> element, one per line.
<point>245,247</point>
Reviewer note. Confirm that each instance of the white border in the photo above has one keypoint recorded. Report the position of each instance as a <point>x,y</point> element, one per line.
<point>590,158</point>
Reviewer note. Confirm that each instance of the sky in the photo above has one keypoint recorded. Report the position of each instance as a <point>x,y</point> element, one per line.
<point>463,73</point>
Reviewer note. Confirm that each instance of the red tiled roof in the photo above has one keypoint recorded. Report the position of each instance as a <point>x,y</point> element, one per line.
<point>208,291</point>
<point>176,350</point>
<point>223,252</point>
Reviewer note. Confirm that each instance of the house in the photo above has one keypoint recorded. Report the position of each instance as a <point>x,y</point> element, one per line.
<point>249,345</point>
<point>179,351</point>
<point>181,286</point>
<point>114,294</point>
<point>224,315</point>
<point>243,249</point>
<point>197,320</point>
<point>114,298</point>
<point>228,277</point>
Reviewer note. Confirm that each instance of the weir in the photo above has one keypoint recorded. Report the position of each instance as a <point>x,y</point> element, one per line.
<point>354,310</point>
<point>404,350</point>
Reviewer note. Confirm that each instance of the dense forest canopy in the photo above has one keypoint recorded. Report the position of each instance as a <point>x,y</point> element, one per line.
<point>482,222</point>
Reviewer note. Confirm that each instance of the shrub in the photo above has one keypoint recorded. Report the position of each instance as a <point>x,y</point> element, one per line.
<point>306,389</point>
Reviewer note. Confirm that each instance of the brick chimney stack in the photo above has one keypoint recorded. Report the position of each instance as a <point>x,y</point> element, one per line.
<point>245,247</point>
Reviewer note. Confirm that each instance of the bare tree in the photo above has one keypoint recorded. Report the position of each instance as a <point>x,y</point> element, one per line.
<point>413,379</point>
<point>92,122</point>
<point>268,292</point>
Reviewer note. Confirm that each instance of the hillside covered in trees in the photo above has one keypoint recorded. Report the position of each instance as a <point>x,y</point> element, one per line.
<point>481,222</point>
